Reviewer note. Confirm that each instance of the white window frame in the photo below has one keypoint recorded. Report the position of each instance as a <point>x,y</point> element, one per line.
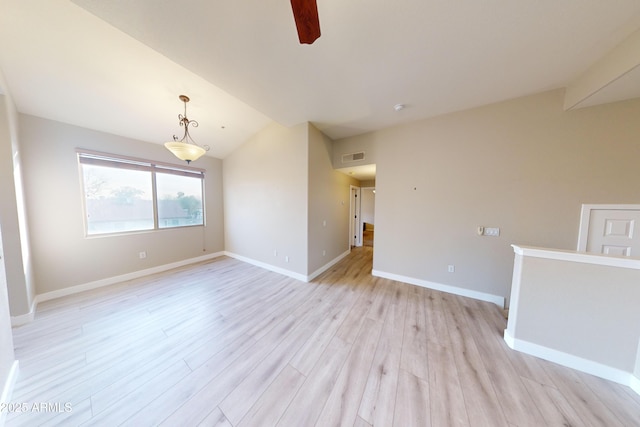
<point>97,158</point>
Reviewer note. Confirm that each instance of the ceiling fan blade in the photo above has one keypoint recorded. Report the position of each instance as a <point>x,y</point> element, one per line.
<point>305,13</point>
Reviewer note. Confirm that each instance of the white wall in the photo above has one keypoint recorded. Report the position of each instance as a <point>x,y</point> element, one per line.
<point>524,165</point>
<point>636,370</point>
<point>19,272</point>
<point>62,255</point>
<point>7,358</point>
<point>265,198</point>
<point>15,272</point>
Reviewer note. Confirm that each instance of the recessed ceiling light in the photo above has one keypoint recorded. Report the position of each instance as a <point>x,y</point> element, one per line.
<point>398,107</point>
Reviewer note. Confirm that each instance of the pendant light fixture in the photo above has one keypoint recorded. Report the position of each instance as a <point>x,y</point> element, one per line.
<point>186,148</point>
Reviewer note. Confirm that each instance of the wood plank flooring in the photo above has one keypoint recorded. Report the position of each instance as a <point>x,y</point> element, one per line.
<point>225,343</point>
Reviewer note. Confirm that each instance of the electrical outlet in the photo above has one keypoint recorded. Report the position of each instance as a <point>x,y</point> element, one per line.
<point>142,254</point>
<point>451,268</point>
<point>324,253</point>
<point>286,258</point>
<point>275,252</point>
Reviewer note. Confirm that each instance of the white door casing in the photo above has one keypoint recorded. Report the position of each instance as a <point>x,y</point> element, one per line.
<point>355,228</point>
<point>610,230</point>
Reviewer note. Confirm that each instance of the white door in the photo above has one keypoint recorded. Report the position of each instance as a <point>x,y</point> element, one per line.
<point>612,230</point>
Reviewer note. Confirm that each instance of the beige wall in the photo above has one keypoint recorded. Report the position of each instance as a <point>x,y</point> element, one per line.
<point>368,205</point>
<point>279,190</point>
<point>356,144</point>
<point>62,255</point>
<point>328,203</point>
<point>578,308</point>
<point>523,165</point>
<point>265,198</point>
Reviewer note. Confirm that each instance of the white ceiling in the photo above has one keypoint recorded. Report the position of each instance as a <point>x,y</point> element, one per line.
<point>119,65</point>
<point>361,173</point>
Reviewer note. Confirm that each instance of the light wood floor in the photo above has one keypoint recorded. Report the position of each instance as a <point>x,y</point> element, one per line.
<point>228,344</point>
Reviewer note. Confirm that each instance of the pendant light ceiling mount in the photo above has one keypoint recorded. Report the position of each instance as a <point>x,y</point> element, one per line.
<point>186,148</point>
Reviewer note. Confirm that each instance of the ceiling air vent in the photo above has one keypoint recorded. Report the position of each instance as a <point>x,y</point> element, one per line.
<point>353,157</point>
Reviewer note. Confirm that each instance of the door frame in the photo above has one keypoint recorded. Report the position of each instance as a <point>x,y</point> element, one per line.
<point>585,217</point>
<point>355,236</point>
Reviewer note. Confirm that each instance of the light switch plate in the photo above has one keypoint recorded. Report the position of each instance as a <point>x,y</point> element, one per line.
<point>492,231</point>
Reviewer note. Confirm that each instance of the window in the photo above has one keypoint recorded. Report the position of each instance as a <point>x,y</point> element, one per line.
<point>179,200</point>
<point>123,195</point>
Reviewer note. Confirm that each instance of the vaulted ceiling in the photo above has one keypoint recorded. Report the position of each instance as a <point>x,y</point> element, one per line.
<point>119,66</point>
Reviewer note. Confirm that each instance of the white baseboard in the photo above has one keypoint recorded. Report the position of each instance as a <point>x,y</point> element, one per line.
<point>573,362</point>
<point>23,319</point>
<point>122,278</point>
<point>634,384</point>
<point>266,266</point>
<point>497,300</point>
<point>28,317</point>
<point>327,265</point>
<point>508,338</point>
<point>286,272</point>
<point>7,389</point>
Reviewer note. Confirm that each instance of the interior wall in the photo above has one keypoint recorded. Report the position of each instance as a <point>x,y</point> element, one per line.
<point>7,357</point>
<point>8,219</point>
<point>636,370</point>
<point>328,204</point>
<point>368,205</point>
<point>265,198</point>
<point>578,308</point>
<point>355,144</point>
<point>62,255</point>
<point>18,271</point>
<point>523,165</point>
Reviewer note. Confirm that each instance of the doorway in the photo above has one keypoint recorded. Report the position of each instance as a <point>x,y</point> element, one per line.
<point>367,214</point>
<point>363,177</point>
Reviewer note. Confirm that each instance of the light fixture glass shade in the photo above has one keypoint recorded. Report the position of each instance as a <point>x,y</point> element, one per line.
<point>186,148</point>
<point>185,151</point>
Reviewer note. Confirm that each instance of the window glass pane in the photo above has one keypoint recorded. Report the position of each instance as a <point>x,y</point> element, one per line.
<point>179,200</point>
<point>117,200</point>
